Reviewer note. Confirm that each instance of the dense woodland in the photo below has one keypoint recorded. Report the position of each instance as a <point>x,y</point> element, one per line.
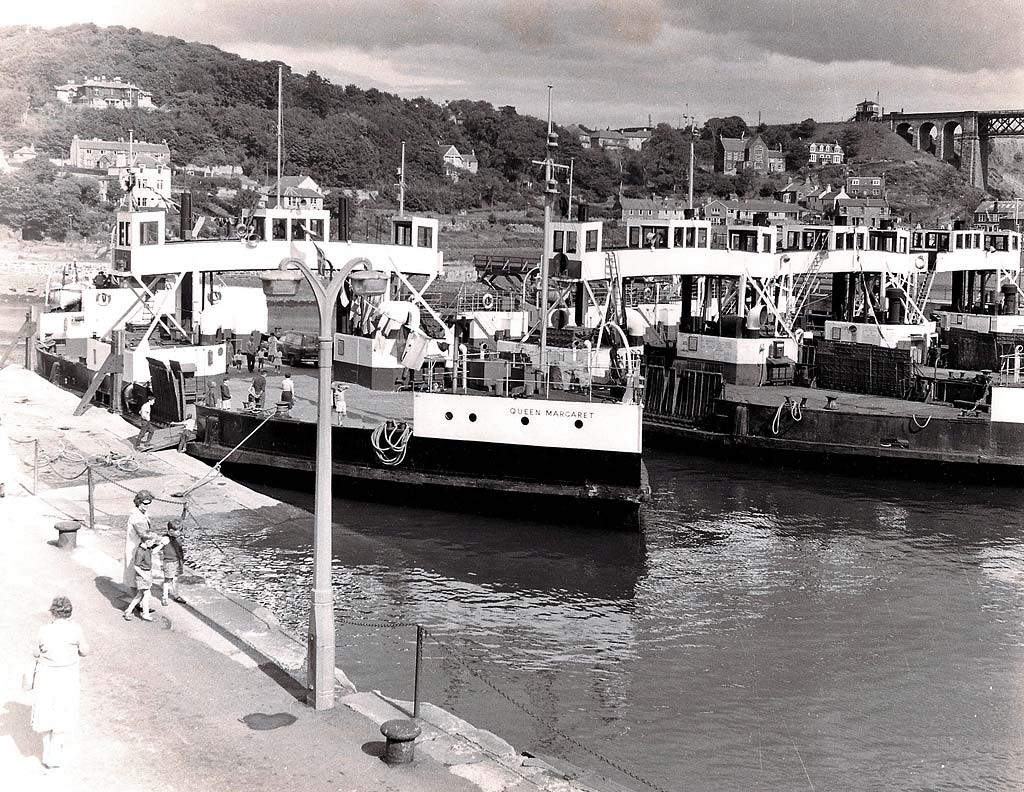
<point>216,108</point>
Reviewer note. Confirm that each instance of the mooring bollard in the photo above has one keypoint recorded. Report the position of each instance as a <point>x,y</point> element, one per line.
<point>401,735</point>
<point>67,534</point>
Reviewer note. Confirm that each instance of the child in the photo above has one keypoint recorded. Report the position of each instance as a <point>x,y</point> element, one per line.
<point>288,390</point>
<point>261,357</point>
<point>236,361</point>
<point>173,558</point>
<point>340,405</point>
<point>143,565</point>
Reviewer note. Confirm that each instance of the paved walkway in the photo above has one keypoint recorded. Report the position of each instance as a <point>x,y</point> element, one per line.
<point>206,696</point>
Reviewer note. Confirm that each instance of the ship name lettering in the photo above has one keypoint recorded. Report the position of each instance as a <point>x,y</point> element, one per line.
<point>568,414</point>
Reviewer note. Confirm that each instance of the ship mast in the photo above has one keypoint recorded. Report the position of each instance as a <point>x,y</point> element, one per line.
<point>550,193</point>
<point>401,185</point>
<point>280,72</point>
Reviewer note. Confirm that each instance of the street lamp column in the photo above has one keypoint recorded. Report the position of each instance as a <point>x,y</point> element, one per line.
<point>320,649</point>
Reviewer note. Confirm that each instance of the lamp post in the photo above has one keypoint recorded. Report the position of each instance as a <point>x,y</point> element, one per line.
<point>320,651</point>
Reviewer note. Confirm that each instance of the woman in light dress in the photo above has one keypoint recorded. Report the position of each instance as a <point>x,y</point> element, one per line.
<point>55,681</point>
<point>138,529</point>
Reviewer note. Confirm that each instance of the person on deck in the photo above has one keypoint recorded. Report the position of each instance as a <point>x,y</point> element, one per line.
<point>259,387</point>
<point>288,390</point>
<point>225,395</point>
<point>146,430</point>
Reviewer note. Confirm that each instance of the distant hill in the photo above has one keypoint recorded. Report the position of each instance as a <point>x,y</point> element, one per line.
<point>219,108</point>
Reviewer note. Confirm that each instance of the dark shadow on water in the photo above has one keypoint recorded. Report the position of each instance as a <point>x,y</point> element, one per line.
<point>374,748</point>
<point>16,720</point>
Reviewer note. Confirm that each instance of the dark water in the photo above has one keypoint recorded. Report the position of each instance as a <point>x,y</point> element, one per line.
<point>771,629</point>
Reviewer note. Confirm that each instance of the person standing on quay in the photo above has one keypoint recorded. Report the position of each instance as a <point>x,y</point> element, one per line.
<point>143,569</point>
<point>274,352</point>
<point>55,708</point>
<point>139,530</point>
<point>250,354</point>
<point>173,560</point>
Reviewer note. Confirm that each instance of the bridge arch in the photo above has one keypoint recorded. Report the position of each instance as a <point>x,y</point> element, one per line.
<point>926,135</point>
<point>952,136</point>
<point>906,131</point>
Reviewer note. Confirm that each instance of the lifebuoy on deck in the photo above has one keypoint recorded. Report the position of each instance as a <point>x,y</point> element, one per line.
<point>214,297</point>
<point>487,302</point>
<point>103,298</point>
<point>648,293</point>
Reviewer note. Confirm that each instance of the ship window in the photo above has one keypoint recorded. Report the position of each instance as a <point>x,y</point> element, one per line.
<point>1015,241</point>
<point>298,230</point>
<point>524,421</point>
<point>149,233</point>
<point>702,237</point>
<point>279,229</point>
<point>766,243</point>
<point>448,416</point>
<point>316,229</point>
<point>634,236</point>
<point>570,242</point>
<point>840,241</point>
<point>903,245</point>
<point>558,245</point>
<point>124,238</point>
<point>578,424</point>
<point>425,236</point>
<point>690,237</point>
<point>403,234</point>
<point>677,238</point>
<point>472,417</point>
<point>591,240</point>
<point>259,227</point>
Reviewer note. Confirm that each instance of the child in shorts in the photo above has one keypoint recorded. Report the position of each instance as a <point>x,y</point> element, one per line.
<point>172,556</point>
<point>142,563</point>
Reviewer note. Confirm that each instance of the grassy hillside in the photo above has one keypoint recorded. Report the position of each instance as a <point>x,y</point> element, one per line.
<point>920,187</point>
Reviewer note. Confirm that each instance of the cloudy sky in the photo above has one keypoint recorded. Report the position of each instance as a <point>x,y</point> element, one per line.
<point>615,62</point>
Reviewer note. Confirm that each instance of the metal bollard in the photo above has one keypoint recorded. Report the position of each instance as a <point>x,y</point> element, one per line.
<point>401,737</point>
<point>67,534</point>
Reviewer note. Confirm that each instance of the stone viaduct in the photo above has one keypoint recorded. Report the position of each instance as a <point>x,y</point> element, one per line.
<point>937,133</point>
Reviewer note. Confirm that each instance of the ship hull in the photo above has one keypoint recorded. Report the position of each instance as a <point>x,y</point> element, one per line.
<point>599,488</point>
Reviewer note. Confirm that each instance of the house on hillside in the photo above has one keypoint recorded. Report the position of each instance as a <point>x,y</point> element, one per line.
<point>99,92</point>
<point>148,180</point>
<point>796,191</point>
<point>455,162</point>
<point>96,154</point>
<point>826,154</point>
<point>297,192</point>
<point>747,155</point>
<point>608,139</point>
<point>865,186</point>
<point>861,211</point>
<point>636,136</point>
<point>214,171</point>
<point>868,111</point>
<point>993,215</point>
<point>22,155</point>
<point>580,133</point>
<point>720,212</point>
<point>823,201</point>
<point>653,207</point>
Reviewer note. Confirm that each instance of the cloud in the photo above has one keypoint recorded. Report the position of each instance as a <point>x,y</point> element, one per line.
<point>616,61</point>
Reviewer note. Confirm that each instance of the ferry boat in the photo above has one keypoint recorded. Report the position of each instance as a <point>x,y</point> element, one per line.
<point>483,427</point>
<point>814,342</point>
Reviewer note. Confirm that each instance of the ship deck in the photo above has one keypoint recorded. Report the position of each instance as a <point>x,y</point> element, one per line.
<point>851,403</point>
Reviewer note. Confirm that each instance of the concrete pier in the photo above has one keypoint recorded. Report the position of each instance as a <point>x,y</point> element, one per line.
<point>210,695</point>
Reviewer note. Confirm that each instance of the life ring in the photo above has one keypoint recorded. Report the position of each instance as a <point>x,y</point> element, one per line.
<point>242,231</point>
<point>648,293</point>
<point>103,298</point>
<point>487,301</point>
<point>920,263</point>
<point>214,297</point>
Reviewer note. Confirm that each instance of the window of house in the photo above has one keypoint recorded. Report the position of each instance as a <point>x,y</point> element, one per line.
<point>279,229</point>
<point>425,237</point>
<point>592,240</point>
